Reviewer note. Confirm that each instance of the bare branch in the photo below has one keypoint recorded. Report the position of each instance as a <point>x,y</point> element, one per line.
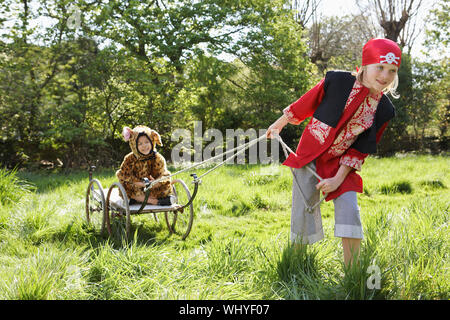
<point>305,11</point>
<point>398,18</point>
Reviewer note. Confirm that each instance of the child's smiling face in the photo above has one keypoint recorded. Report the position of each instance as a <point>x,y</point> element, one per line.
<point>144,145</point>
<point>379,75</point>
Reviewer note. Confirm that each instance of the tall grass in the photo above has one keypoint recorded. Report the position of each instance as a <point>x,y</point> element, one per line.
<point>12,188</point>
<point>238,247</point>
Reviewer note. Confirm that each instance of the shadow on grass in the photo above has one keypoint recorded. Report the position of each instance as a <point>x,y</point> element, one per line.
<point>46,181</point>
<point>143,232</point>
<point>403,187</point>
<point>433,184</point>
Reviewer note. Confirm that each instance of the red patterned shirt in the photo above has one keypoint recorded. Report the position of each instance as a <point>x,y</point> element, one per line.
<point>331,147</point>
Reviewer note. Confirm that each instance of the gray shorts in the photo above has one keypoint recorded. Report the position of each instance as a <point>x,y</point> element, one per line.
<point>306,227</point>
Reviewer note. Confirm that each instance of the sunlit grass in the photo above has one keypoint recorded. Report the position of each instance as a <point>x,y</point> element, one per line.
<point>238,247</point>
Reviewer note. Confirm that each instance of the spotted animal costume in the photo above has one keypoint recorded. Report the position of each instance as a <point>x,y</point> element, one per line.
<point>136,166</point>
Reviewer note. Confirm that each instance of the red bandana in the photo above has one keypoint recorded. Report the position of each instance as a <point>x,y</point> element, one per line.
<point>381,51</point>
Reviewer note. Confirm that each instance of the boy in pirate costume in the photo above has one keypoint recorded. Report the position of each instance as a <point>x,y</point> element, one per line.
<point>144,162</point>
<point>349,114</point>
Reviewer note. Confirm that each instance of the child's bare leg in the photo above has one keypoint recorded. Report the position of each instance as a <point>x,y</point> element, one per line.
<point>141,199</point>
<point>351,247</point>
<point>299,246</point>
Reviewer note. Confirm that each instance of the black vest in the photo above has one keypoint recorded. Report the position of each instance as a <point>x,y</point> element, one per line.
<point>337,87</point>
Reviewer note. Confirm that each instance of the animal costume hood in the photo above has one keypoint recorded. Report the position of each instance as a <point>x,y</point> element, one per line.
<point>132,136</point>
<point>137,166</point>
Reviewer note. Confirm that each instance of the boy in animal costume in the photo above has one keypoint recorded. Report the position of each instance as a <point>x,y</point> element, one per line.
<point>144,162</point>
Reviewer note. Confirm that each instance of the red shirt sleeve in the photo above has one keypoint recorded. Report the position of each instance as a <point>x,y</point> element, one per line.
<point>353,158</point>
<point>306,105</point>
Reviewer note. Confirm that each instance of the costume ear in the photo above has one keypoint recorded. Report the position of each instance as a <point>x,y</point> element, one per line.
<point>126,133</point>
<point>156,138</point>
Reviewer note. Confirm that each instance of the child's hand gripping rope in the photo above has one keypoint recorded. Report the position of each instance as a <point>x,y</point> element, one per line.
<point>328,185</point>
<point>325,183</point>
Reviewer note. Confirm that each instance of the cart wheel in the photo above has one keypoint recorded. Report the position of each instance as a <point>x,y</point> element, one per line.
<point>180,221</point>
<point>95,205</point>
<point>118,220</point>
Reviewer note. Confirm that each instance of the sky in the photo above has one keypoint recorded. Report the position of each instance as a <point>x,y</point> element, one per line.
<point>338,7</point>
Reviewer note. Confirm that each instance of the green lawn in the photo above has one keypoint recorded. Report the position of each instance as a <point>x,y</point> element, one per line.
<point>238,247</point>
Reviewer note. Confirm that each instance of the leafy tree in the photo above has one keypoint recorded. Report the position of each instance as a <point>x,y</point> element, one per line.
<point>336,42</point>
<point>276,65</point>
<point>31,60</point>
<point>428,96</point>
<point>436,70</point>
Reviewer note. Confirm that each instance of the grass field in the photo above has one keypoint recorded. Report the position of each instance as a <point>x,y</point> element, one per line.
<point>238,247</point>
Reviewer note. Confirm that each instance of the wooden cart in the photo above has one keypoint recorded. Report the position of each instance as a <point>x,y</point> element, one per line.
<point>109,208</point>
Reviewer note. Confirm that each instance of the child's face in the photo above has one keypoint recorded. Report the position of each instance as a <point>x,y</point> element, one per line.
<point>379,75</point>
<point>144,145</point>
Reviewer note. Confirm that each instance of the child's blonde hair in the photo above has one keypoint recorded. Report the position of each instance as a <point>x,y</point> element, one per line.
<point>391,88</point>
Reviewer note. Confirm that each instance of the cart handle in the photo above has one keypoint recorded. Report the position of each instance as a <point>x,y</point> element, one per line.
<point>91,169</point>
<point>196,181</point>
<point>148,186</point>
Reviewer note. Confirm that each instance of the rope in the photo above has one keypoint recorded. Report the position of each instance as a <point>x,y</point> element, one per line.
<point>243,147</point>
<point>285,149</point>
<point>239,150</point>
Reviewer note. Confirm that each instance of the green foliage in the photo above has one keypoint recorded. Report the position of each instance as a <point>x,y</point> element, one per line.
<point>430,114</point>
<point>131,63</point>
<point>65,93</point>
<point>437,28</point>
